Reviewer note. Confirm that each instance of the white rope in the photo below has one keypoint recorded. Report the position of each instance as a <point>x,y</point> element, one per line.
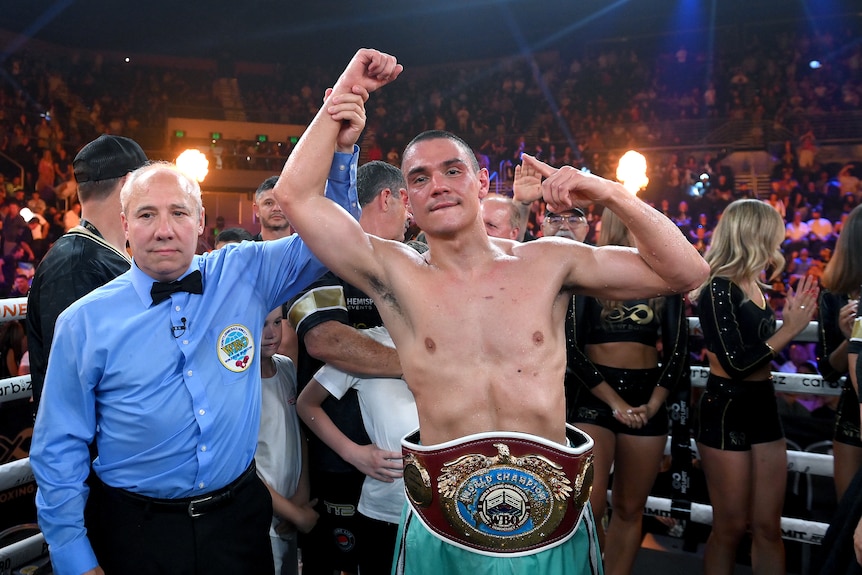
<point>19,387</point>
<point>804,383</point>
<point>21,553</point>
<point>800,383</point>
<point>13,388</point>
<point>792,528</point>
<point>15,474</point>
<point>13,308</point>
<point>820,464</point>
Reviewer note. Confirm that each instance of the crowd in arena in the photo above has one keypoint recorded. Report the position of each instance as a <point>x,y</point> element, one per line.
<point>579,111</point>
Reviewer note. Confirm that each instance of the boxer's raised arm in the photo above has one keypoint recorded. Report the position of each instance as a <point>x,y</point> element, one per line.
<point>331,234</point>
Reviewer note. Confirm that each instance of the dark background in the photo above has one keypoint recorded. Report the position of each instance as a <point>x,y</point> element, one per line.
<point>417,32</point>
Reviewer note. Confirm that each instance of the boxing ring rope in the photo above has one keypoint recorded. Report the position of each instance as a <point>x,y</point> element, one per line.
<point>13,388</point>
<point>16,477</point>
<point>21,553</point>
<point>792,528</point>
<point>13,308</point>
<point>17,474</point>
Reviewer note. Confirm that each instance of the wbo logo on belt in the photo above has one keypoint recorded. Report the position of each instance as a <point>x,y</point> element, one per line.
<point>498,503</point>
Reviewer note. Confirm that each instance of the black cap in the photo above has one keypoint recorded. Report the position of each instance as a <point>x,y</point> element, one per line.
<point>574,211</point>
<point>108,157</point>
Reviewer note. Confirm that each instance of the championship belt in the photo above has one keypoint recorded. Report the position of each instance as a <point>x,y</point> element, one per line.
<point>500,493</point>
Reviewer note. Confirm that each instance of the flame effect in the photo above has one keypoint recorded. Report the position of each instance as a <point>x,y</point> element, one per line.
<point>631,171</point>
<point>194,164</point>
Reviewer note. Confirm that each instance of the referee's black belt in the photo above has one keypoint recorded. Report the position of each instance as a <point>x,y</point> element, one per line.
<point>193,506</point>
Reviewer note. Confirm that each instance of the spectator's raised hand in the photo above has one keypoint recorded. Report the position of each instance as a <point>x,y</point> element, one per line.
<point>527,186</point>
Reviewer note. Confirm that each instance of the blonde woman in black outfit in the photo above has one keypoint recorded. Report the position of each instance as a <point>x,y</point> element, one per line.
<point>738,432</point>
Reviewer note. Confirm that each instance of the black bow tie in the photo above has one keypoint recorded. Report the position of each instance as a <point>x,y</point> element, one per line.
<point>191,283</point>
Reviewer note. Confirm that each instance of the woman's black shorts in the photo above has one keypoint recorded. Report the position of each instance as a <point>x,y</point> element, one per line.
<point>847,418</point>
<point>635,387</point>
<point>734,415</point>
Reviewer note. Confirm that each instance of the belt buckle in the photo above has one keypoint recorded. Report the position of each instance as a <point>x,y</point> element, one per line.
<point>191,509</point>
<point>497,502</point>
<point>504,500</point>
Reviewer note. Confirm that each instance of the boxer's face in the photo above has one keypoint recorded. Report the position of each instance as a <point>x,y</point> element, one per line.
<point>443,185</point>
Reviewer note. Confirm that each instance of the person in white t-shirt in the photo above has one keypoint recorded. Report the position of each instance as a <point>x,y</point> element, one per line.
<point>821,229</point>
<point>796,233</point>
<point>388,413</point>
<point>280,456</point>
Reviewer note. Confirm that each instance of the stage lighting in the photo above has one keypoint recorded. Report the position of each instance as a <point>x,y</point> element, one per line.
<point>194,164</point>
<point>631,171</point>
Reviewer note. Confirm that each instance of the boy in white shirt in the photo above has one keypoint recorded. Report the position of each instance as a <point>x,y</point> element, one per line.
<point>388,413</point>
<point>280,456</point>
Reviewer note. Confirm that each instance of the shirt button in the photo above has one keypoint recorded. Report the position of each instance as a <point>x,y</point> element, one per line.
<point>202,412</point>
<point>203,447</point>
<point>189,373</point>
<point>177,308</point>
<point>342,167</point>
<point>201,485</point>
<point>185,342</point>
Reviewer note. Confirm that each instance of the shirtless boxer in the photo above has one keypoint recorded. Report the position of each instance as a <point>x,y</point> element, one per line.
<point>478,324</point>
